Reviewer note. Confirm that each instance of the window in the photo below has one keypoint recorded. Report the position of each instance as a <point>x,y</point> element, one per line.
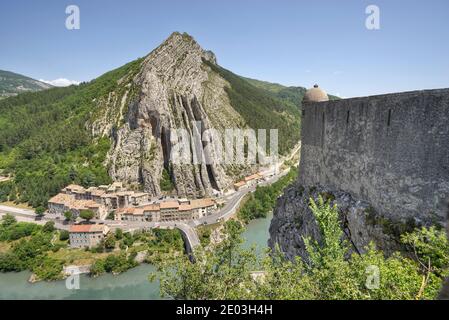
<point>389,117</point>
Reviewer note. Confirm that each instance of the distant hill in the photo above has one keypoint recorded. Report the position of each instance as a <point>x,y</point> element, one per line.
<point>290,95</point>
<point>12,84</point>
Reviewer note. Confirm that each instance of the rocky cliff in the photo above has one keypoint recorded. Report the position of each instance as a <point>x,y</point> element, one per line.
<point>381,159</point>
<point>176,85</point>
<point>293,221</point>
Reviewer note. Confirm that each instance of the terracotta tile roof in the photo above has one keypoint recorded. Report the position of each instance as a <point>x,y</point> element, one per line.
<point>185,207</point>
<point>253,177</point>
<point>127,210</point>
<point>108,195</point>
<point>138,212</point>
<point>202,203</point>
<point>124,193</point>
<point>88,228</point>
<point>96,192</point>
<point>239,184</point>
<point>71,203</point>
<point>151,207</point>
<point>61,198</point>
<point>169,205</point>
<point>139,194</point>
<point>74,187</point>
<point>92,204</point>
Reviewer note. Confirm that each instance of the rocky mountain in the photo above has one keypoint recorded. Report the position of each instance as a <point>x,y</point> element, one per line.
<point>120,126</point>
<point>179,83</point>
<point>12,84</point>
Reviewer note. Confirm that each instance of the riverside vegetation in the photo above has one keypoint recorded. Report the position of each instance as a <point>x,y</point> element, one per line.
<point>50,146</point>
<point>332,271</point>
<point>262,201</point>
<point>44,250</point>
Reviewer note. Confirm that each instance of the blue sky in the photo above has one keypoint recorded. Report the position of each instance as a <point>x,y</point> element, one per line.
<point>285,41</point>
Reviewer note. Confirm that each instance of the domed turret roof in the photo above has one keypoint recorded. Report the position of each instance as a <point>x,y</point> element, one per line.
<point>315,94</point>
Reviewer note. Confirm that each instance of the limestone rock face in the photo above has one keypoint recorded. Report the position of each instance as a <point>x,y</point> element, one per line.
<point>293,221</point>
<point>174,89</point>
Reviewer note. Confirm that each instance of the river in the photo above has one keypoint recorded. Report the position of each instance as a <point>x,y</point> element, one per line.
<point>132,284</point>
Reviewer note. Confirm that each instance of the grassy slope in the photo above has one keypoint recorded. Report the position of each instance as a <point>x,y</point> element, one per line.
<point>261,109</point>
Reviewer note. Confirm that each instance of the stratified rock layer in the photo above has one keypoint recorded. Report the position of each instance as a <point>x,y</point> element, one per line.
<point>174,89</point>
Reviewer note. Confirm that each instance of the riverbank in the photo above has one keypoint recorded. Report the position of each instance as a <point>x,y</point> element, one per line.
<point>132,284</point>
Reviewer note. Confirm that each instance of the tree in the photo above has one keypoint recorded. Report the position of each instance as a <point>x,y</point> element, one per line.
<point>68,215</point>
<point>223,273</point>
<point>109,243</point>
<point>330,272</point>
<point>40,211</point>
<point>166,183</point>
<point>118,234</point>
<point>87,214</point>
<point>49,226</point>
<point>8,220</point>
<point>64,235</point>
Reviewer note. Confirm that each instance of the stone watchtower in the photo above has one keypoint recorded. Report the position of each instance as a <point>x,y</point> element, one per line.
<point>389,150</point>
<point>315,94</point>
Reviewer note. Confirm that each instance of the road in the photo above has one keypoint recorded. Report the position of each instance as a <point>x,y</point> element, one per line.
<point>232,203</point>
<point>26,215</point>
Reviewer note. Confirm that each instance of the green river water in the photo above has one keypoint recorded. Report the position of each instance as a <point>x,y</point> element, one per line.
<point>132,284</point>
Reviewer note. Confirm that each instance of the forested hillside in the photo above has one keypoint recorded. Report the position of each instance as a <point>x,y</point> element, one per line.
<point>257,105</point>
<point>44,142</point>
<point>51,138</point>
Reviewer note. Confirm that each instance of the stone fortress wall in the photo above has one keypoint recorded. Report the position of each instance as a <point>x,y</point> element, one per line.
<point>391,150</point>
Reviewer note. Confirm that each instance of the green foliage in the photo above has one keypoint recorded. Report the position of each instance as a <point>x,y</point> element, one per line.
<point>8,220</point>
<point>7,191</point>
<point>263,200</point>
<point>109,243</point>
<point>68,215</point>
<point>166,182</point>
<point>48,268</point>
<point>331,247</point>
<point>430,247</point>
<point>291,95</point>
<point>40,211</point>
<point>49,226</point>
<point>30,249</point>
<point>11,230</point>
<point>113,264</point>
<point>97,268</point>
<point>64,235</point>
<point>166,238</point>
<point>118,234</point>
<point>87,214</point>
<point>331,272</point>
<point>51,145</point>
<point>216,274</point>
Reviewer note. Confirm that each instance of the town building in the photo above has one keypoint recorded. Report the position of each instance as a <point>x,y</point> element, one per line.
<point>101,200</point>
<point>62,203</point>
<point>87,235</point>
<point>173,210</point>
<point>240,185</point>
<point>248,181</point>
